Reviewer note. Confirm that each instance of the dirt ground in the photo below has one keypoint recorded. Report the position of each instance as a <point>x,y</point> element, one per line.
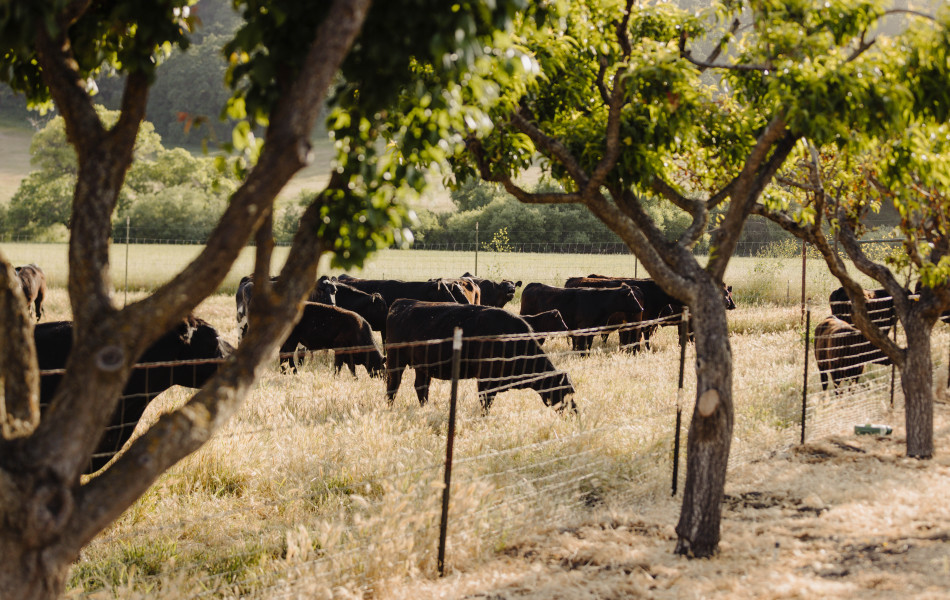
<point>844,517</point>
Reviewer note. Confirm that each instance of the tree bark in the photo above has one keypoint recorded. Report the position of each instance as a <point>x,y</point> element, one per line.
<point>710,430</point>
<point>917,384</point>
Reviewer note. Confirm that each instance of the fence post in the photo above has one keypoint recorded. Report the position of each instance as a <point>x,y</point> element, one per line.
<point>803,279</point>
<point>893,366</point>
<point>476,248</point>
<point>127,222</point>
<point>805,371</point>
<point>679,398</point>
<point>449,446</point>
<point>636,263</point>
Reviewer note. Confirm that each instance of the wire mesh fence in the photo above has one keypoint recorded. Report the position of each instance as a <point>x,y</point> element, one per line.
<point>368,509</point>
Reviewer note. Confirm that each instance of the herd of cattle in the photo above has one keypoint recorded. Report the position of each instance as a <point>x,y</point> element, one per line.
<point>416,321</point>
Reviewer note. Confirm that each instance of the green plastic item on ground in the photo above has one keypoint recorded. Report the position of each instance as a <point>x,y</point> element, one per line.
<point>875,429</point>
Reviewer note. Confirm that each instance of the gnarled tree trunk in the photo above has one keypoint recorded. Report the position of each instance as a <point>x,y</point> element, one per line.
<point>917,384</point>
<point>710,431</point>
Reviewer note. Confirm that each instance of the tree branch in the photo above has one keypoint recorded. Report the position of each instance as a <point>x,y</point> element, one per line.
<point>716,51</point>
<point>20,405</point>
<point>622,37</point>
<point>185,430</point>
<point>128,333</point>
<point>61,75</point>
<point>855,292</point>
<point>612,146</point>
<point>552,147</point>
<point>757,172</point>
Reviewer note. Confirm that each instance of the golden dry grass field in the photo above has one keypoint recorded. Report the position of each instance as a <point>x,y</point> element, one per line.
<point>319,489</point>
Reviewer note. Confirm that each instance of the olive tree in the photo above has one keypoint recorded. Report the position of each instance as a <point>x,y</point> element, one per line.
<point>637,103</point>
<point>283,60</point>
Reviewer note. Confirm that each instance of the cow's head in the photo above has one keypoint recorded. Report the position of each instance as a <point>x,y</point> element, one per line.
<point>324,291</point>
<point>193,340</point>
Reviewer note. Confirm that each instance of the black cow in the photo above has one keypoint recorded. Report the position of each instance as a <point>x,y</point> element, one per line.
<point>880,306</point>
<point>499,350</point>
<point>841,352</point>
<point>550,321</point>
<point>582,308</point>
<point>657,305</point>
<point>33,282</point>
<point>494,293</point>
<point>371,307</point>
<point>190,341</point>
<point>326,327</point>
<point>324,291</point>
<point>394,289</point>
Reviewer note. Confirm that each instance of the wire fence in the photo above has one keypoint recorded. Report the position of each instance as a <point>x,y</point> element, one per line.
<point>345,526</point>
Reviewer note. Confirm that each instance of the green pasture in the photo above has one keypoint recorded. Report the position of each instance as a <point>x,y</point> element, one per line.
<point>143,267</point>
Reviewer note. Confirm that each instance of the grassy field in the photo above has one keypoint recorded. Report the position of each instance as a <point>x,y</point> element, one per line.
<point>319,489</point>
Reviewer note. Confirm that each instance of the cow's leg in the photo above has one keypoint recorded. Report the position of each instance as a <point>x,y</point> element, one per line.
<point>422,386</point>
<point>486,395</point>
<point>393,379</point>
<point>338,362</point>
<point>647,334</point>
<point>288,351</point>
<point>824,380</point>
<point>586,341</point>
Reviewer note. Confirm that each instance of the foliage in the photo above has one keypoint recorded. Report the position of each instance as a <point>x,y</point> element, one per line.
<point>499,242</point>
<point>159,188</point>
<point>474,194</point>
<point>101,37</point>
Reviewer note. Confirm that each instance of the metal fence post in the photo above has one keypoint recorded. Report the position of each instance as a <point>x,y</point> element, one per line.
<point>127,222</point>
<point>805,372</point>
<point>803,279</point>
<point>476,248</point>
<point>683,326</point>
<point>449,446</point>
<point>893,366</point>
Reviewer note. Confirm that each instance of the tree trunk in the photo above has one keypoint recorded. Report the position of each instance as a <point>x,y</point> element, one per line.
<point>32,509</point>
<point>917,383</point>
<point>710,431</point>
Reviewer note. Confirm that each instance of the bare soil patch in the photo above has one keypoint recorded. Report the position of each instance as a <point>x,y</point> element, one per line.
<point>844,517</point>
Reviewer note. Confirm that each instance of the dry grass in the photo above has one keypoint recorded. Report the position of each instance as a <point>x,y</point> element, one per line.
<point>318,489</point>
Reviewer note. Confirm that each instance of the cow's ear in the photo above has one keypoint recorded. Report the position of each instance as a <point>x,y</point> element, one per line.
<point>518,284</point>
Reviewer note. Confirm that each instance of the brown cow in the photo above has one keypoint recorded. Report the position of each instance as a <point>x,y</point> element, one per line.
<point>464,289</point>
<point>880,307</point>
<point>33,281</point>
<point>494,293</point>
<point>841,352</point>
